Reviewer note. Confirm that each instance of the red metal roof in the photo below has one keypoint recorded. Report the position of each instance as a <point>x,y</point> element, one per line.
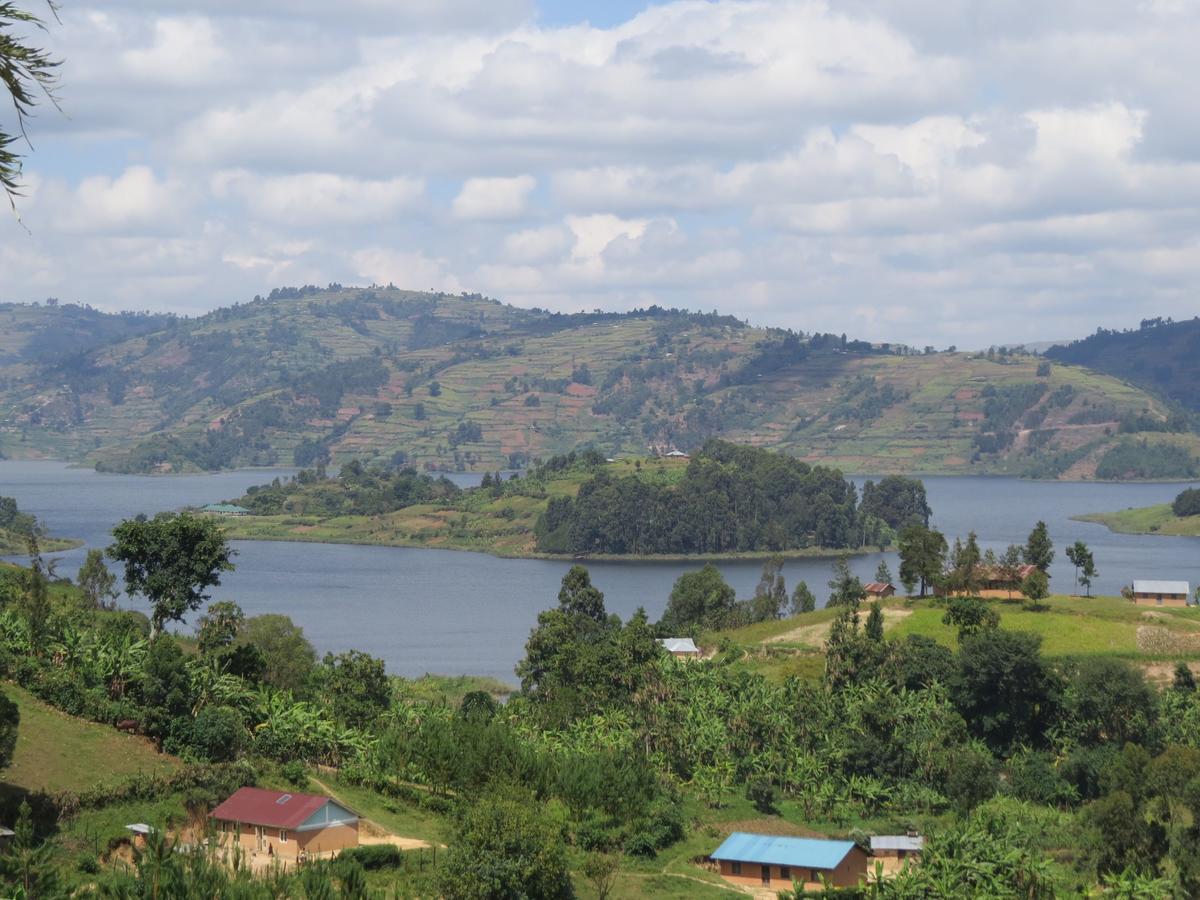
<point>255,806</point>
<point>878,587</point>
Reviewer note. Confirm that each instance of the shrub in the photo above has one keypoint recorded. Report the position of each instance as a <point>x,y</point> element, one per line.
<point>374,856</point>
<point>1187,503</point>
<point>218,734</point>
<point>294,773</point>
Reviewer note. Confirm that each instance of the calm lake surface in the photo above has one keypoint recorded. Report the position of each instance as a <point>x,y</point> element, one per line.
<point>452,612</point>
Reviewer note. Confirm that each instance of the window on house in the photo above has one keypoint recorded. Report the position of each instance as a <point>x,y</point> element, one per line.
<point>736,868</point>
<point>283,835</point>
<point>785,872</point>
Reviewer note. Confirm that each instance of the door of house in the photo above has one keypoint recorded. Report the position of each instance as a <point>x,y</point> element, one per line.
<point>259,836</point>
<point>766,874</point>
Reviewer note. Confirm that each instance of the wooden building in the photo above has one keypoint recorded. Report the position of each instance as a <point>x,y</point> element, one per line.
<point>877,590</point>
<point>895,851</point>
<point>771,861</point>
<point>284,825</point>
<point>680,648</point>
<point>995,583</point>
<point>1161,593</point>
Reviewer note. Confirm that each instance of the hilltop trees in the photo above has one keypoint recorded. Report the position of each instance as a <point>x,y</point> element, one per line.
<point>172,560</point>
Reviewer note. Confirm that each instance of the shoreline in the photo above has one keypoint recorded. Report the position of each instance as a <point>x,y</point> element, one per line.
<point>1156,520</point>
<point>805,553</point>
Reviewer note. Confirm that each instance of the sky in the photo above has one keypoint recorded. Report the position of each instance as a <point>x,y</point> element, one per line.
<point>927,171</point>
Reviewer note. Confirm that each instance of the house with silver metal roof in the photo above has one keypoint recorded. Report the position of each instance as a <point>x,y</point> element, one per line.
<point>770,860</point>
<point>896,850</point>
<point>684,648</point>
<point>1161,593</point>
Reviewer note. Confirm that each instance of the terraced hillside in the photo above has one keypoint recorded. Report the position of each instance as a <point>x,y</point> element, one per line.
<point>463,382</point>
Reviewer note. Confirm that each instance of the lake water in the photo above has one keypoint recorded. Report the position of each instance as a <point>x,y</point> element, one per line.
<point>452,612</point>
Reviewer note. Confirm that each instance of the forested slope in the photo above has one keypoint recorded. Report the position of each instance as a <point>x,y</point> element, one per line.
<point>463,382</point>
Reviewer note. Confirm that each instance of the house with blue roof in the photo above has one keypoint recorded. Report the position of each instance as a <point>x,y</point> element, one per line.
<point>769,860</point>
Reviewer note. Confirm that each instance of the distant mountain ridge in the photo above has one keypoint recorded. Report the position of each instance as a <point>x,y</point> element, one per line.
<point>309,375</point>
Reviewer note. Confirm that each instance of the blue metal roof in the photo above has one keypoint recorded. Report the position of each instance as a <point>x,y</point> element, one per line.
<point>770,849</point>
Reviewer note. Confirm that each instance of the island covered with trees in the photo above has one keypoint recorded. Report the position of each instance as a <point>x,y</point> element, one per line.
<point>726,500</point>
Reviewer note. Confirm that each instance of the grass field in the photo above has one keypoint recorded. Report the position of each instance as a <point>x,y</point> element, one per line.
<point>1146,520</point>
<point>57,752</point>
<point>1068,626</point>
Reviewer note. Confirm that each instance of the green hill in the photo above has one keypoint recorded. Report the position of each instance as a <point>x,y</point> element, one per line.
<point>1161,356</point>
<point>462,382</point>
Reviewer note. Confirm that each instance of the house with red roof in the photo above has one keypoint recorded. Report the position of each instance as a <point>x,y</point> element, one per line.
<point>284,825</point>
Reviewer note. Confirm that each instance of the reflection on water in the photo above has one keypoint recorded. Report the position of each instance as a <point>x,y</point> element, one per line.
<point>453,612</point>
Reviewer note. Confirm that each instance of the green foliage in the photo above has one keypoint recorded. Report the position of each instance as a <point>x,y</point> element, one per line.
<point>1005,691</point>
<point>698,600</point>
<point>922,557</point>
<point>10,721</point>
<point>1144,459</point>
<point>896,500</point>
<point>356,686</point>
<point>506,846</point>
<point>172,560</point>
<point>218,734</point>
<point>845,587</point>
<point>970,615</point>
<point>97,583</point>
<point>288,655</point>
<point>1039,549</point>
<point>731,499</point>
<point>1187,503</point>
<point>803,599</point>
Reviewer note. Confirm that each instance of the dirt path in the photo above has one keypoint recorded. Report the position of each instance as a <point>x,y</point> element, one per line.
<point>816,635</point>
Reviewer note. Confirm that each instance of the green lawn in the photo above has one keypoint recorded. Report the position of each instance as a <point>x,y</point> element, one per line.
<point>57,752</point>
<point>1069,626</point>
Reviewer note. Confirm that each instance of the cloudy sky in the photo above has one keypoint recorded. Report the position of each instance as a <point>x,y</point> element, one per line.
<point>932,171</point>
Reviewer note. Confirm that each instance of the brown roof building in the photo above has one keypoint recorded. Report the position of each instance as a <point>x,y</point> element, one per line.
<point>283,824</point>
<point>878,590</point>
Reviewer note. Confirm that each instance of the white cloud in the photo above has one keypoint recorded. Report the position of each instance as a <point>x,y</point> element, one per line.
<point>321,198</point>
<point>903,169</point>
<point>494,198</point>
<point>412,269</point>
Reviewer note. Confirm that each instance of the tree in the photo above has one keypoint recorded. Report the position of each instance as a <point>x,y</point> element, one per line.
<point>965,575</point>
<point>28,865</point>
<point>219,626</point>
<point>289,656</point>
<point>577,595</point>
<point>10,721</point>
<point>172,560</point>
<point>601,870</point>
<point>1036,587</point>
<point>970,615</point>
<point>846,589</point>
<point>1111,703</point>
<point>698,599</point>
<point>802,599</point>
<point>922,556</point>
<point>1003,688</point>
<point>1184,680</point>
<point>1039,550</point>
<point>97,583</point>
<point>357,688</point>
<point>770,594</point>
<point>883,573</point>
<point>506,846</point>
<point>874,629</point>
<point>1081,558</point>
<point>26,72</point>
